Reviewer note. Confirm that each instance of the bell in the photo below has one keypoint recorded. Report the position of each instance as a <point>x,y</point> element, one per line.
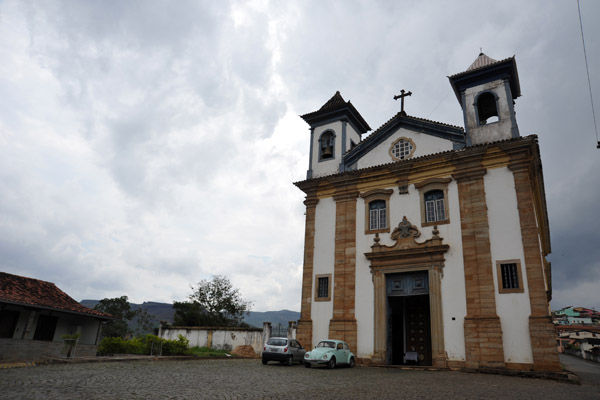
<point>327,152</point>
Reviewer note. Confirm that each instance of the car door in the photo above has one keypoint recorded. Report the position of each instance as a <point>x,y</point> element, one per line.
<point>341,353</point>
<point>299,351</point>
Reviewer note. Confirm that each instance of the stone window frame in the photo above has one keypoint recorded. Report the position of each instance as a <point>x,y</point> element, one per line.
<point>373,195</point>
<point>501,289</point>
<point>329,284</point>
<point>427,186</point>
<point>406,139</point>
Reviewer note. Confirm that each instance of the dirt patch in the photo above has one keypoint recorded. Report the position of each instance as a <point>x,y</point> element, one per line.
<point>245,351</point>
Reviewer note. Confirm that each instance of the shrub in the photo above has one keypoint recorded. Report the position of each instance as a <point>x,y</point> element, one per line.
<point>143,345</point>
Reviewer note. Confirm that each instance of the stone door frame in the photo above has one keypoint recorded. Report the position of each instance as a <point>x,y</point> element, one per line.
<point>408,255</point>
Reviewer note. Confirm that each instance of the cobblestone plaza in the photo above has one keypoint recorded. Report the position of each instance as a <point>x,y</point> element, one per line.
<point>248,379</point>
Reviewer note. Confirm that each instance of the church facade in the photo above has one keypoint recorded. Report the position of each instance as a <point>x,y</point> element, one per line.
<point>426,242</point>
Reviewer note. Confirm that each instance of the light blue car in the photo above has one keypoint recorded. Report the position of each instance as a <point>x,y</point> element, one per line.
<point>331,353</point>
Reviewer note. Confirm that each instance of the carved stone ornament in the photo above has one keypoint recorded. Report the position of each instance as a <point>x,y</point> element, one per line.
<point>404,237</point>
<point>405,229</point>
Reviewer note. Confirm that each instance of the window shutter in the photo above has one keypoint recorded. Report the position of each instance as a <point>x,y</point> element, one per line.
<point>440,210</point>
<point>382,219</point>
<point>430,210</point>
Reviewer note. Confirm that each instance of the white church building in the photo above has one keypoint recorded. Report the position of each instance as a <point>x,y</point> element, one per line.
<point>426,241</point>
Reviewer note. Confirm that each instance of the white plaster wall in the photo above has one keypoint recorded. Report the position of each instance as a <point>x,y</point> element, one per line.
<point>323,263</point>
<point>331,166</point>
<point>425,144</point>
<point>506,244</point>
<point>351,134</point>
<point>222,339</point>
<point>453,282</point>
<point>69,324</point>
<point>454,302</point>
<point>493,131</point>
<point>364,300</point>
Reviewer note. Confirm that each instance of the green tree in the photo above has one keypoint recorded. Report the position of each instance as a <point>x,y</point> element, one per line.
<point>212,303</point>
<point>120,308</point>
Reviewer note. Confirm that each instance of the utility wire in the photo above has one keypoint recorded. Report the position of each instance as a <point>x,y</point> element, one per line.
<point>441,101</point>
<point>588,74</point>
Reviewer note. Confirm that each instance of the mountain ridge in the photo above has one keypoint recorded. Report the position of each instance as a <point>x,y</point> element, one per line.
<point>164,312</point>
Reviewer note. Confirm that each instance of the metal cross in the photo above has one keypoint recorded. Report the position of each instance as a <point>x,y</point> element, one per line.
<point>401,96</point>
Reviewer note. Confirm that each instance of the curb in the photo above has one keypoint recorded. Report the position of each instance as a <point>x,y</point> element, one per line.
<point>19,365</point>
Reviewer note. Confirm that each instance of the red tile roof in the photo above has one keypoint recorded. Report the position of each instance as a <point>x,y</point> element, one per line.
<point>20,290</point>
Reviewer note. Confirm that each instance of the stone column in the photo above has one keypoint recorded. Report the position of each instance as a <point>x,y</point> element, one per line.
<point>437,323</point>
<point>291,331</point>
<point>483,332</point>
<point>266,332</point>
<point>304,330</point>
<point>343,324</point>
<point>541,328</point>
<point>30,325</point>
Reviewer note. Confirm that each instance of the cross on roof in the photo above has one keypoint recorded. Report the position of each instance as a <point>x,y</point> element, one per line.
<point>401,96</point>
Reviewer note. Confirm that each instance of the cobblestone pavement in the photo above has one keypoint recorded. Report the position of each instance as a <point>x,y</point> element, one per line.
<point>588,371</point>
<point>248,379</point>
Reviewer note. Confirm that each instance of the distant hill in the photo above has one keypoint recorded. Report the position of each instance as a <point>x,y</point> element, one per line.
<point>165,312</point>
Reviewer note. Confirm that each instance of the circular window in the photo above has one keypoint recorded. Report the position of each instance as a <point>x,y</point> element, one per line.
<point>402,149</point>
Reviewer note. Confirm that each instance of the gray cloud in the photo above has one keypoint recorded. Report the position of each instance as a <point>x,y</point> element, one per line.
<point>145,146</point>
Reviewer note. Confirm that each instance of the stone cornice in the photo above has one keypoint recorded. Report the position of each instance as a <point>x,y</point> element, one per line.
<point>469,175</point>
<point>461,163</point>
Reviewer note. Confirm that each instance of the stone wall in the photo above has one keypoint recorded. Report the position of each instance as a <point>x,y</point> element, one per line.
<point>18,350</point>
<point>224,338</point>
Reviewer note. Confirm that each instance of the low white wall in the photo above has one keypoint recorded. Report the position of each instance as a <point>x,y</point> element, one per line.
<point>216,338</point>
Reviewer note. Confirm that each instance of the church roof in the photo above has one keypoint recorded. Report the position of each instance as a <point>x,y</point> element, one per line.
<point>466,150</point>
<point>486,69</point>
<point>481,61</point>
<point>336,108</point>
<point>15,289</point>
<point>438,129</point>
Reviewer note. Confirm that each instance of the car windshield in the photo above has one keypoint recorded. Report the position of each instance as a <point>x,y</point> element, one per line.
<point>326,343</point>
<point>277,342</point>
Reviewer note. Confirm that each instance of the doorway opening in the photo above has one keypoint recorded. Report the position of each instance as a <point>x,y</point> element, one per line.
<point>408,327</point>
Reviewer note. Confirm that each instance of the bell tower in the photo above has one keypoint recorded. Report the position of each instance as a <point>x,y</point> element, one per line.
<point>334,129</point>
<point>486,92</point>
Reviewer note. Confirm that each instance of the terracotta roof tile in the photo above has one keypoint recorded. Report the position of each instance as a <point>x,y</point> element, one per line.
<point>20,290</point>
<point>481,61</point>
<point>336,101</point>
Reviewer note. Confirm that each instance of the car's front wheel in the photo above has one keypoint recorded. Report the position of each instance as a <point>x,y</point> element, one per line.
<point>331,363</point>
<point>307,364</point>
<point>351,363</point>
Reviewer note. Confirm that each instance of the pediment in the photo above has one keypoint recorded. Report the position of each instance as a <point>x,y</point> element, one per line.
<point>406,245</point>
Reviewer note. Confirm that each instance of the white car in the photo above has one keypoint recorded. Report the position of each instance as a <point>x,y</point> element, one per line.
<point>283,350</point>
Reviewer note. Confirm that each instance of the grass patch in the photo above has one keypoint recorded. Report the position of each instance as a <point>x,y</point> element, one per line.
<point>208,352</point>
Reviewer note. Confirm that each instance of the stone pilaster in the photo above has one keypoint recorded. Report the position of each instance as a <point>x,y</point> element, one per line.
<point>343,324</point>
<point>304,329</point>
<point>483,332</point>
<point>541,329</point>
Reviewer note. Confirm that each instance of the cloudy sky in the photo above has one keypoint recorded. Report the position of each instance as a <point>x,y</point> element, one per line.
<point>146,145</point>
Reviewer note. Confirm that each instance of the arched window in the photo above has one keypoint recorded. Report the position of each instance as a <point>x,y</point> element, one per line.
<point>435,209</point>
<point>377,215</point>
<point>327,145</point>
<point>487,109</point>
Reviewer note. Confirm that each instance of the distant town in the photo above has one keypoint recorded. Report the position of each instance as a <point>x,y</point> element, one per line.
<point>578,332</point>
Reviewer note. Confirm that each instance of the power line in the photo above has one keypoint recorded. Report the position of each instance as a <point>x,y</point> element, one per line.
<point>588,74</point>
